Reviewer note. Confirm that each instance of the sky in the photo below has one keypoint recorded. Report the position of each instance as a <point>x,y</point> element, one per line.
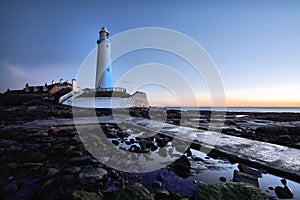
<point>255,45</point>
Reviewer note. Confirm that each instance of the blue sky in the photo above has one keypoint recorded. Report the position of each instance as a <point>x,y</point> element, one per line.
<point>255,44</point>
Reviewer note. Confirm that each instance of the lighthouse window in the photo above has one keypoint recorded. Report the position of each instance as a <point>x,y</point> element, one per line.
<point>107,45</point>
<point>108,69</point>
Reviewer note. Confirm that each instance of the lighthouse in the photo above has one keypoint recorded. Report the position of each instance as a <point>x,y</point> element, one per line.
<point>104,69</point>
<point>104,95</point>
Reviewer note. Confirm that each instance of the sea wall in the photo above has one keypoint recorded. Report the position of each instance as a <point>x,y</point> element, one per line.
<point>138,99</point>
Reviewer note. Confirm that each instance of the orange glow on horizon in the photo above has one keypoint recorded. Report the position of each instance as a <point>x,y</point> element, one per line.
<point>233,103</point>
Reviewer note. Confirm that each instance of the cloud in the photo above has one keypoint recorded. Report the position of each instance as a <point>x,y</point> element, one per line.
<point>15,76</point>
<point>15,71</point>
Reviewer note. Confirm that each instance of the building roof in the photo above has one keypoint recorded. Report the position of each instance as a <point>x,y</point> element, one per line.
<point>38,89</point>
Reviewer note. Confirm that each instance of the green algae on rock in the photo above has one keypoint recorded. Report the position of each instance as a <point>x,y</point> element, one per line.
<point>83,195</point>
<point>225,191</point>
<point>134,192</point>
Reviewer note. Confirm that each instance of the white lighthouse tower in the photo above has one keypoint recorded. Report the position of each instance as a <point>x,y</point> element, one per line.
<point>104,95</point>
<point>104,69</point>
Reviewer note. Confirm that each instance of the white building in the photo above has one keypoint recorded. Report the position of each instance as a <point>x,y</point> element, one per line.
<point>104,95</point>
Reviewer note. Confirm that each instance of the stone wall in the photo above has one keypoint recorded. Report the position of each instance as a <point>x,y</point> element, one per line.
<point>138,99</point>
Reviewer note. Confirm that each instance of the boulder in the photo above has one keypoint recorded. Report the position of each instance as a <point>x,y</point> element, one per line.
<point>284,192</point>
<point>90,176</point>
<point>225,191</point>
<point>182,166</point>
<point>135,191</point>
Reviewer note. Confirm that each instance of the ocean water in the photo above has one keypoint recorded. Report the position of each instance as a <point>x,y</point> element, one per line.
<point>241,109</point>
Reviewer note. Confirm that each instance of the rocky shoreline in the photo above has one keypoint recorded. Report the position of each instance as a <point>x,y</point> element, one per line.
<point>51,162</point>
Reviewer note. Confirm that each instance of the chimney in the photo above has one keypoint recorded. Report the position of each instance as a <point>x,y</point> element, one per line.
<point>61,81</point>
<point>74,85</point>
<point>45,87</point>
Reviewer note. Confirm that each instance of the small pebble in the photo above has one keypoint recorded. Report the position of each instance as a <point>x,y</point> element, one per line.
<point>271,188</point>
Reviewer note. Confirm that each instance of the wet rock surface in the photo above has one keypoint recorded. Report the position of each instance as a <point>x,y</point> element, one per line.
<point>51,162</point>
<point>234,191</point>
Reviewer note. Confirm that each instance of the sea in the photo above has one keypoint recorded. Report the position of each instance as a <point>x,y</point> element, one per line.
<point>240,109</point>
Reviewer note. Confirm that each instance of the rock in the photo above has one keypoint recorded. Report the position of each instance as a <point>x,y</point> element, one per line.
<point>49,184</point>
<point>226,191</point>
<point>248,170</point>
<point>162,194</point>
<point>222,179</point>
<point>79,160</point>
<point>162,142</point>
<point>244,177</point>
<point>90,176</point>
<point>160,177</point>
<point>189,152</point>
<point>284,192</point>
<point>131,140</point>
<point>52,172</point>
<point>136,149</point>
<point>83,195</point>
<point>181,148</point>
<point>284,137</point>
<point>156,184</point>
<point>115,142</point>
<point>195,181</point>
<point>283,181</point>
<point>296,145</point>
<point>142,144</point>
<point>163,152</point>
<point>72,170</point>
<point>271,188</point>
<point>114,174</point>
<point>154,147</point>
<point>135,191</point>
<point>176,196</point>
<point>75,154</point>
<point>182,166</point>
